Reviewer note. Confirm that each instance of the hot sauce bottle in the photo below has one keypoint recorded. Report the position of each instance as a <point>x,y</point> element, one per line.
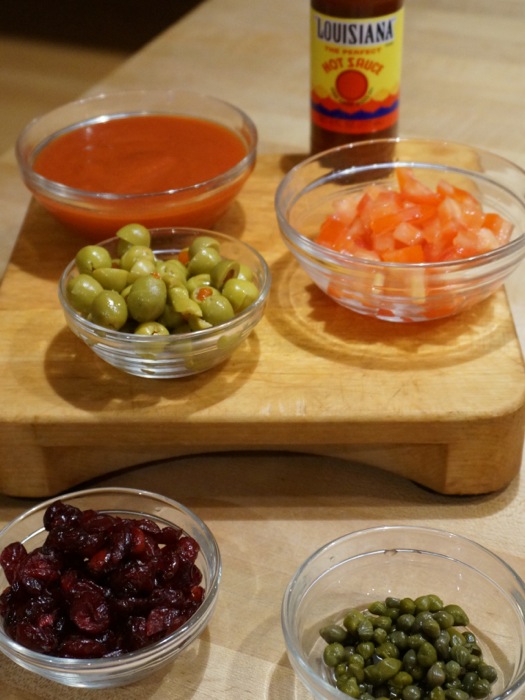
<point>356,51</point>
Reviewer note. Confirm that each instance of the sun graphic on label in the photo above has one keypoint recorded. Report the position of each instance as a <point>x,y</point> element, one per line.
<point>351,85</point>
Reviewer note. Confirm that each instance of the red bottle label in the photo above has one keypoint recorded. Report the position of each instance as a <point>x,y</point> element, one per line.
<point>355,72</point>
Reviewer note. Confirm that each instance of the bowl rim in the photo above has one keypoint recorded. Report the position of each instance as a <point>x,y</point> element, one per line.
<point>380,529</point>
<point>49,188</point>
<point>323,255</point>
<point>150,653</point>
<point>172,338</point>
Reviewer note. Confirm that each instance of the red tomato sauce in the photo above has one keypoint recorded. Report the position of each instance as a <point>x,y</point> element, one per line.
<point>140,154</point>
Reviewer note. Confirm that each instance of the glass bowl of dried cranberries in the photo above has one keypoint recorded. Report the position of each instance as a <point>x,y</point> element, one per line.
<point>102,587</point>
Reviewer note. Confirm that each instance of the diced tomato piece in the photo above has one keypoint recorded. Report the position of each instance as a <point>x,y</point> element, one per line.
<point>346,207</point>
<point>408,254</point>
<point>414,224</point>
<point>413,189</point>
<point>331,229</point>
<point>499,226</point>
<point>408,234</point>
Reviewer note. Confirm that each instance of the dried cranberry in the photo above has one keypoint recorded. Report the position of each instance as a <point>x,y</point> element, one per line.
<point>134,577</point>
<point>100,586</point>
<point>148,526</point>
<point>38,570</point>
<point>169,535</point>
<point>163,621</point>
<point>197,594</point>
<point>170,563</point>
<point>136,636</point>
<point>188,548</point>
<point>93,521</point>
<point>42,639</point>
<point>77,647</point>
<point>90,612</point>
<point>59,513</point>
<point>11,558</point>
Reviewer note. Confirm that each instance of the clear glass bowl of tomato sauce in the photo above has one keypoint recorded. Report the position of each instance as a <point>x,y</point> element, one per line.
<point>156,512</point>
<point>401,283</point>
<point>163,158</point>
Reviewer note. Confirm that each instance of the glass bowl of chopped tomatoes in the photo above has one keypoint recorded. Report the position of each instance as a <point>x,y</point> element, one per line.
<point>405,230</point>
<point>102,587</point>
<point>165,158</point>
<point>406,612</point>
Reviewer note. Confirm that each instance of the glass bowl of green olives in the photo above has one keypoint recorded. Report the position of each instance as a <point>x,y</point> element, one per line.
<point>165,303</point>
<point>408,613</point>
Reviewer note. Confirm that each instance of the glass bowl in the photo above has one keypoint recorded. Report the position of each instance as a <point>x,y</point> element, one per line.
<point>172,356</point>
<point>405,561</point>
<point>108,672</point>
<point>394,291</point>
<point>98,214</point>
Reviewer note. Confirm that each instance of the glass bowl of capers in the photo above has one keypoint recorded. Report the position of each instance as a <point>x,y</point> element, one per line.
<point>406,613</point>
<point>167,302</point>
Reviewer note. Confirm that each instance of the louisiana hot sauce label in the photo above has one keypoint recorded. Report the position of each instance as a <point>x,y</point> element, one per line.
<point>355,72</point>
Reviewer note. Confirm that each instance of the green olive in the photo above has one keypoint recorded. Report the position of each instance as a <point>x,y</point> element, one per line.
<point>81,291</point>
<point>216,309</point>
<point>111,277</point>
<point>202,242</point>
<point>140,268</point>
<point>90,257</point>
<point>204,260</point>
<point>245,273</point>
<point>109,309</point>
<point>134,253</point>
<point>173,272</point>
<point>224,271</point>
<point>147,298</point>
<point>180,300</point>
<point>240,293</point>
<point>151,328</point>
<point>132,234</point>
<point>196,281</point>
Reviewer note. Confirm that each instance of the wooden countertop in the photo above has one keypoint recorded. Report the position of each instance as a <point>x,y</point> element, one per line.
<point>463,66</point>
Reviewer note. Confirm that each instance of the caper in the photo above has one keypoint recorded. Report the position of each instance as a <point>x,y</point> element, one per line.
<point>333,633</point>
<point>411,692</point>
<point>436,675</point>
<point>334,654</point>
<point>459,615</point>
<point>426,655</point>
<point>352,620</point>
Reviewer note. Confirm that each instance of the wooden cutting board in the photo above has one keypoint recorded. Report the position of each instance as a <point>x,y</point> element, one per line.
<point>442,403</point>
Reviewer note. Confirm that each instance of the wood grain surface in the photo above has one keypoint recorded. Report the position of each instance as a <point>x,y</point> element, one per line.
<point>441,403</point>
